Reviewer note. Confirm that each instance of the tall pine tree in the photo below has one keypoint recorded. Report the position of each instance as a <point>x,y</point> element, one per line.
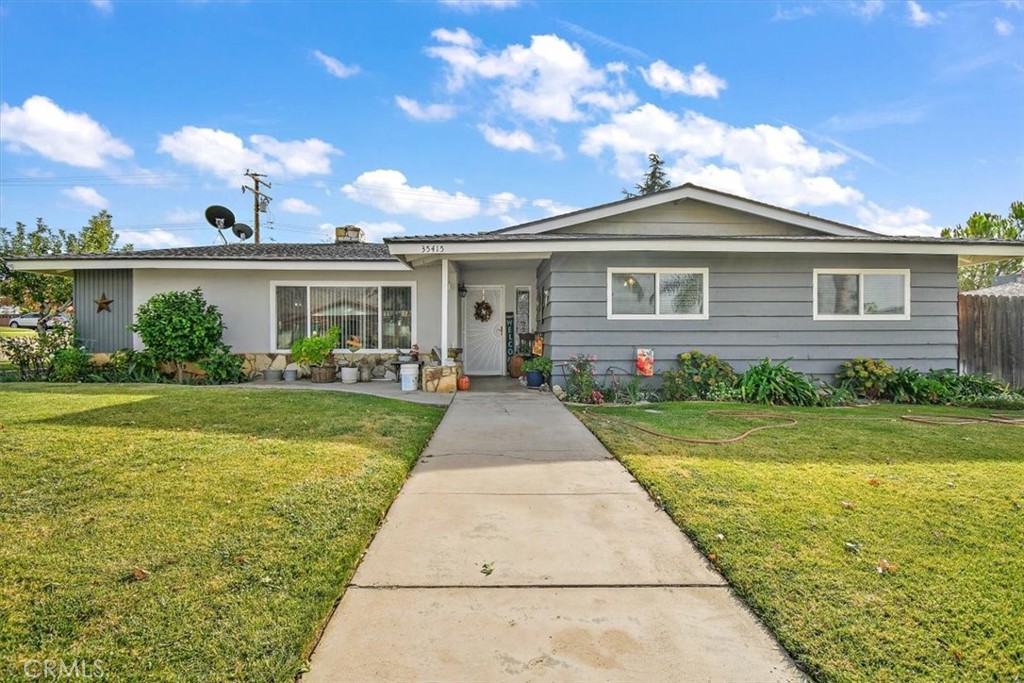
<point>654,180</point>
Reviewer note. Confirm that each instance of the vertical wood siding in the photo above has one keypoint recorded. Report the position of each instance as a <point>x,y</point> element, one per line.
<point>103,332</point>
<point>760,306</point>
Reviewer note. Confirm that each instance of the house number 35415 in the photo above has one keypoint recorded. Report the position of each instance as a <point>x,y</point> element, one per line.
<point>431,248</point>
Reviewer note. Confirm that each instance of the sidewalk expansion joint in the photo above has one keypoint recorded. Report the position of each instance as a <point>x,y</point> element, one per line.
<point>564,493</point>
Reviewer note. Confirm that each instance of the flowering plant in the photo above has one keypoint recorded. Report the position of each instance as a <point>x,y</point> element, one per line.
<point>582,379</point>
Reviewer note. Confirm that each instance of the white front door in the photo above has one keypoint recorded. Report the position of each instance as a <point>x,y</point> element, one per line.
<point>483,341</point>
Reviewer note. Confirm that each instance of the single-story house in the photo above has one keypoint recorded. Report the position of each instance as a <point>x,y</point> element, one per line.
<point>684,268</point>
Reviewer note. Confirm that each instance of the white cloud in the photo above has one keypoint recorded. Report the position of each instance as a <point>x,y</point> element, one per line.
<point>105,6</point>
<point>553,208</point>
<point>909,221</point>
<point>867,9</point>
<point>775,164</point>
<point>792,12</point>
<point>389,191</point>
<point>517,140</point>
<point>546,81</point>
<point>1013,4</point>
<point>71,138</point>
<point>226,156</point>
<point>86,195</point>
<point>157,238</point>
<point>181,216</point>
<point>474,5</point>
<point>896,113</point>
<point>429,112</point>
<point>700,82</point>
<point>459,36</point>
<point>919,17</point>
<point>297,206</point>
<point>335,67</point>
<point>1003,27</point>
<point>502,204</point>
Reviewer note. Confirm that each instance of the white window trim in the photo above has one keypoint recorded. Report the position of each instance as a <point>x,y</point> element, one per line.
<point>861,272</point>
<point>274,284</point>
<point>703,315</point>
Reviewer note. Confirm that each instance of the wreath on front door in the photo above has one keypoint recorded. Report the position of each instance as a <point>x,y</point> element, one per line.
<point>483,311</point>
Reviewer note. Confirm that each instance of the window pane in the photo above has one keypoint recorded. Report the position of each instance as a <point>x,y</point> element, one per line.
<point>397,313</point>
<point>522,310</point>
<point>352,309</point>
<point>291,316</point>
<point>883,294</point>
<point>837,294</point>
<point>632,294</point>
<point>681,293</point>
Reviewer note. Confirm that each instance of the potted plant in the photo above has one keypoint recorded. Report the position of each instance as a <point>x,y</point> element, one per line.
<point>316,351</point>
<point>537,370</point>
<point>350,370</point>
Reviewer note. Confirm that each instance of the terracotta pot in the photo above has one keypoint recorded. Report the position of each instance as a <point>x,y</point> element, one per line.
<point>322,374</point>
<point>515,367</point>
<point>463,383</point>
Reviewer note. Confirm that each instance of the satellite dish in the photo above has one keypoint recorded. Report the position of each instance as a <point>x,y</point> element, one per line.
<point>219,217</point>
<point>242,231</point>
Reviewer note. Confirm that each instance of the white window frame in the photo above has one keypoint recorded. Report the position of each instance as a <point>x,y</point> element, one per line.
<point>532,322</point>
<point>861,272</point>
<point>274,284</point>
<point>703,315</point>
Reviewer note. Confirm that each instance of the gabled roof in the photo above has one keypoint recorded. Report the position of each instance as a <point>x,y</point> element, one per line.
<point>688,191</point>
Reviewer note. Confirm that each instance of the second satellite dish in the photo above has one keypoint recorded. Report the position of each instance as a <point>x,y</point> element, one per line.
<point>219,217</point>
<point>242,231</point>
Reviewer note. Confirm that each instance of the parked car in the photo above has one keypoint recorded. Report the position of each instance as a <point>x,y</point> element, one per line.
<point>31,320</point>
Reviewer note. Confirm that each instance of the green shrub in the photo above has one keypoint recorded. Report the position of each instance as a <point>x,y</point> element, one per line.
<point>777,384</point>
<point>315,350</point>
<point>698,377</point>
<point>128,365</point>
<point>179,327</point>
<point>34,355</point>
<point>582,381</point>
<point>541,363</point>
<point>71,365</point>
<point>223,367</point>
<point>866,377</point>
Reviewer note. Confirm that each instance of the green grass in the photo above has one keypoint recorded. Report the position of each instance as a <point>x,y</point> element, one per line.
<point>248,508</point>
<point>16,332</point>
<point>943,503</point>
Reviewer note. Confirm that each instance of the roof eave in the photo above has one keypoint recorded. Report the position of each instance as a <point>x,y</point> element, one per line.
<point>57,266</point>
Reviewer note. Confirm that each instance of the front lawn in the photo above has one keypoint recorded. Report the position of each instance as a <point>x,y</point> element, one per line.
<point>800,519</point>
<point>187,533</point>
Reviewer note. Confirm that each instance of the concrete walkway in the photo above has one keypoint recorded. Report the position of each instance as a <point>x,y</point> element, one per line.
<point>589,581</point>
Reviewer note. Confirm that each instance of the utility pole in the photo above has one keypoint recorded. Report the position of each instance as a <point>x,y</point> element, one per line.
<point>259,200</point>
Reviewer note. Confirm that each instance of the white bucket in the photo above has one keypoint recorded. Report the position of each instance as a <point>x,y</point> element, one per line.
<point>410,375</point>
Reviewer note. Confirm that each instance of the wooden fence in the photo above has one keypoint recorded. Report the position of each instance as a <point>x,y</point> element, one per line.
<point>992,336</point>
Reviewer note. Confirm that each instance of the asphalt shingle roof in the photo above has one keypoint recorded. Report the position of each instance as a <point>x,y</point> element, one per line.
<point>239,251</point>
<point>564,237</point>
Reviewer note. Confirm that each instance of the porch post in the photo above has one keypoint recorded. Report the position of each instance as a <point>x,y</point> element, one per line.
<point>444,307</point>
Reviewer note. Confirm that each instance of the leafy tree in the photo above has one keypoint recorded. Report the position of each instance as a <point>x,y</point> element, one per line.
<point>39,292</point>
<point>654,180</point>
<point>989,226</point>
<point>179,327</point>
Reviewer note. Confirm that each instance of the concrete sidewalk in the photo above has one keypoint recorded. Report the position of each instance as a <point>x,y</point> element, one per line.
<point>590,581</point>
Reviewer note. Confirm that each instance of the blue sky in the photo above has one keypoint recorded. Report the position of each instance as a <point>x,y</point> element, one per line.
<point>434,117</point>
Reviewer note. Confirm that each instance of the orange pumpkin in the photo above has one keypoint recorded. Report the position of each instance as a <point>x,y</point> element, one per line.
<point>463,383</point>
<point>515,367</point>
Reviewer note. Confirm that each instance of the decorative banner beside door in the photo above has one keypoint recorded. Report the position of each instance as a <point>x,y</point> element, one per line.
<point>510,336</point>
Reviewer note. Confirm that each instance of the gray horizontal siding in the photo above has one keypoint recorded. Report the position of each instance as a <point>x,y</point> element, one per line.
<point>760,306</point>
<point>103,331</point>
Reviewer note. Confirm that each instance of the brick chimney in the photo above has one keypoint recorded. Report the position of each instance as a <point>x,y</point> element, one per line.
<point>348,233</point>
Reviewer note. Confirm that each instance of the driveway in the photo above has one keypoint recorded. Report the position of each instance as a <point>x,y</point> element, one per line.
<point>520,550</point>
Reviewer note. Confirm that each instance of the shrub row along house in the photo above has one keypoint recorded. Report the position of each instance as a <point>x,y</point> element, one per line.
<point>683,268</point>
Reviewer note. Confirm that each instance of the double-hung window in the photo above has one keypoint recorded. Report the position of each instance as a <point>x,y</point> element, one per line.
<point>379,315</point>
<point>872,294</point>
<point>657,293</point>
